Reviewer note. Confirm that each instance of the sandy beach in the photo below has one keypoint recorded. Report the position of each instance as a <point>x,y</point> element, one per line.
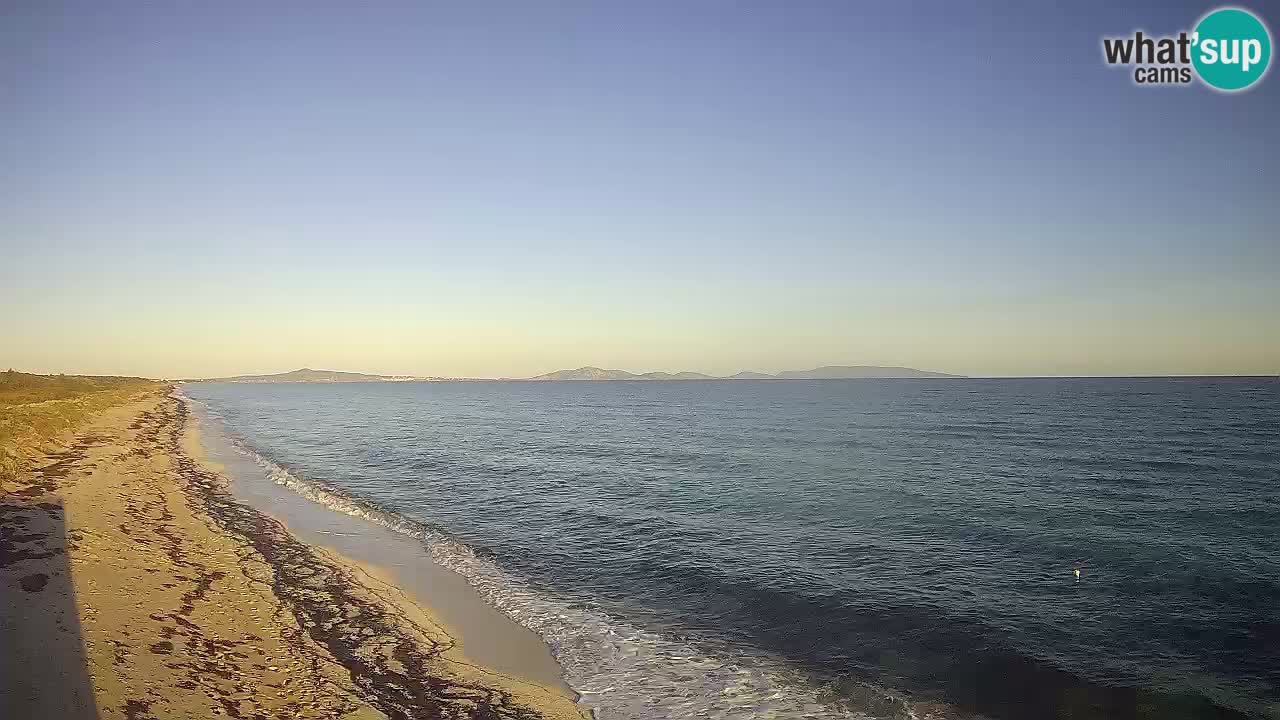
<point>136,586</point>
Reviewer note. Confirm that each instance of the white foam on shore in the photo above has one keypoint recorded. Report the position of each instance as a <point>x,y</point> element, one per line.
<point>620,672</point>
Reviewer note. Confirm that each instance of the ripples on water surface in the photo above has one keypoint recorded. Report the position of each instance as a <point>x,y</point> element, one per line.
<point>828,548</point>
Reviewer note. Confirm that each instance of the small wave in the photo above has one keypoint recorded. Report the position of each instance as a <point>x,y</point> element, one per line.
<point>617,669</point>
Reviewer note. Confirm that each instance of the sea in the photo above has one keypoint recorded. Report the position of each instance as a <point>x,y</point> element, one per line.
<point>915,548</point>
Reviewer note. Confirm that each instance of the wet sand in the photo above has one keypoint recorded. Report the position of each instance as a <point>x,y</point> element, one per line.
<point>134,585</point>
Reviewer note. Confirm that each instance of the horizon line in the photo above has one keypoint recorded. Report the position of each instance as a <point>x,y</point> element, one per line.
<point>451,378</point>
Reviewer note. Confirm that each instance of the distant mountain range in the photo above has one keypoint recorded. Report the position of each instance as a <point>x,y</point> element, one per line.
<point>307,375</point>
<point>826,372</point>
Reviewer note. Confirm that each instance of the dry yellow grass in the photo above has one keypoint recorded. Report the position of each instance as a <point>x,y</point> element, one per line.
<point>37,410</point>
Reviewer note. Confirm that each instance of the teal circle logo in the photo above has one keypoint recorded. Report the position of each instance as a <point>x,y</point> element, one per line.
<point>1231,49</point>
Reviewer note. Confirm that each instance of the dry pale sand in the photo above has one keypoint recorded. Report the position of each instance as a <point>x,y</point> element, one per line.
<point>133,586</point>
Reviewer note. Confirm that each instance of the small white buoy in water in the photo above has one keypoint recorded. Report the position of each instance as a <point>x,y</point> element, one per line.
<point>1077,574</point>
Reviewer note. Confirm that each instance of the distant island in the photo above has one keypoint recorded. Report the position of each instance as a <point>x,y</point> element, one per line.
<point>826,372</point>
<point>589,373</point>
<point>307,375</point>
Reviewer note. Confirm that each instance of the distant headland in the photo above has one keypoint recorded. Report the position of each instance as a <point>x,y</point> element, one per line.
<point>589,373</point>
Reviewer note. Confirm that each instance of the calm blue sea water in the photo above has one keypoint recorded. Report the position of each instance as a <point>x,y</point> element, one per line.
<point>811,549</point>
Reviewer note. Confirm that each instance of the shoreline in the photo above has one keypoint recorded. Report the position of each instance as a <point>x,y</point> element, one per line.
<point>137,586</point>
<point>401,565</point>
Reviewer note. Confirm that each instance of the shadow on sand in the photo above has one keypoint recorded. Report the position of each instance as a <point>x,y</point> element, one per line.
<point>43,667</point>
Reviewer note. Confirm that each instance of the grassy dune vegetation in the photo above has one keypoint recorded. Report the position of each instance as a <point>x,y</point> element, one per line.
<point>35,410</point>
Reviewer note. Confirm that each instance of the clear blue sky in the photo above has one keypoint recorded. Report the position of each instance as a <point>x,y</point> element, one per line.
<point>481,188</point>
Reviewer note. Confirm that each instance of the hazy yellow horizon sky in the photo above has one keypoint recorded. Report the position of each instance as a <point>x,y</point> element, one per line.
<point>162,323</point>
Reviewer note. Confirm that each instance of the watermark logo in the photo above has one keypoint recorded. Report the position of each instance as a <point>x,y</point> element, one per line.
<point>1229,50</point>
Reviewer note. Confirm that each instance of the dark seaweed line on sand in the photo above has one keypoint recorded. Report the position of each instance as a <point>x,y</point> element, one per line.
<point>393,670</point>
